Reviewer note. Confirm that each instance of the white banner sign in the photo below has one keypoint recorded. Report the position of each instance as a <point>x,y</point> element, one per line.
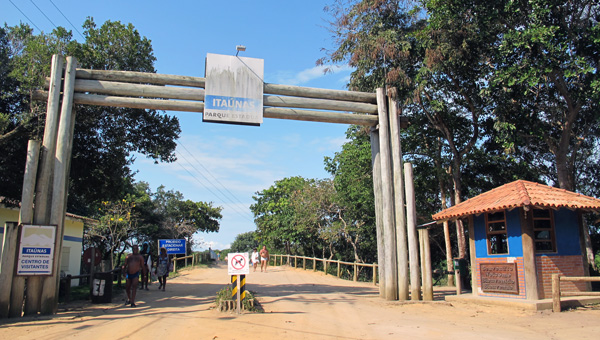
<point>36,250</point>
<point>237,263</point>
<point>233,90</point>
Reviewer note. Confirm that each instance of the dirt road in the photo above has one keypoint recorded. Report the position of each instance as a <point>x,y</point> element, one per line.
<point>297,305</point>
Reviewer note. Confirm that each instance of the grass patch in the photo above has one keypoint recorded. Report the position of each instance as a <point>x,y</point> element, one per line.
<point>249,303</point>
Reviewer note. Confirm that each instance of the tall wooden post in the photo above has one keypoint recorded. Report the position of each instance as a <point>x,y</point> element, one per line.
<point>400,215</point>
<point>7,265</point>
<point>528,241</point>
<point>389,227</point>
<point>449,261</point>
<point>421,257</point>
<point>29,181</point>
<point>411,225</point>
<point>381,256</point>
<point>15,285</point>
<point>49,301</point>
<point>473,256</point>
<point>426,263</point>
<point>45,176</point>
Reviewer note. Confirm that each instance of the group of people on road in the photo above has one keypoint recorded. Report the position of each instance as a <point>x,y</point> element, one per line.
<point>264,259</point>
<point>137,264</point>
<point>140,264</point>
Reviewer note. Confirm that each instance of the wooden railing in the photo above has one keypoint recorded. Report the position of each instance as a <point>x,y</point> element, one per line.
<point>556,293</point>
<point>326,262</point>
<point>67,280</point>
<point>194,257</point>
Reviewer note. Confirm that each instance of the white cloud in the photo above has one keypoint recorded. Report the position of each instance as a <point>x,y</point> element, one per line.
<point>310,74</point>
<point>328,144</point>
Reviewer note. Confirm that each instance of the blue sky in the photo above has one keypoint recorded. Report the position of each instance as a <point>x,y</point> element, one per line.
<point>223,164</point>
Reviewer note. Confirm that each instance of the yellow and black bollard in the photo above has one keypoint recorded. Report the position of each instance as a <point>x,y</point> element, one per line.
<point>234,279</point>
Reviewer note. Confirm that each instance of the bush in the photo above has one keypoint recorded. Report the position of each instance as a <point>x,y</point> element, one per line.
<point>248,303</point>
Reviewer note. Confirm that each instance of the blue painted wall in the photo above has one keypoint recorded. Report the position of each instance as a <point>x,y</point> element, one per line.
<point>565,226</point>
<point>513,230</point>
<point>566,230</point>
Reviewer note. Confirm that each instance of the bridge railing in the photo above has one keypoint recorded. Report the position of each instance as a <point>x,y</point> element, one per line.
<point>326,264</point>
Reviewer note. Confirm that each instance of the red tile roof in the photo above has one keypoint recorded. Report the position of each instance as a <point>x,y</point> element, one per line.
<point>518,194</point>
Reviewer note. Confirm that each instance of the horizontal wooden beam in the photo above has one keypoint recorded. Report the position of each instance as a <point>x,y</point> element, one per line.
<point>319,104</point>
<point>186,93</point>
<point>276,89</point>
<point>194,106</point>
<point>320,116</point>
<point>138,90</point>
<point>310,92</point>
<point>135,103</point>
<point>140,77</point>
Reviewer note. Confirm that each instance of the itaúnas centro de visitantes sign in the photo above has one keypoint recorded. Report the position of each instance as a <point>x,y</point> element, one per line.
<point>233,90</point>
<point>36,250</point>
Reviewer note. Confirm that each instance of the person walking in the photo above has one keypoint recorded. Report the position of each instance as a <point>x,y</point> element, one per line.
<point>255,259</point>
<point>162,268</point>
<point>264,258</point>
<point>145,252</point>
<point>134,265</point>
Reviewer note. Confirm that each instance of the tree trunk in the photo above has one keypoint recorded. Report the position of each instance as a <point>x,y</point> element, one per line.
<point>564,174</point>
<point>460,230</point>
<point>447,241</point>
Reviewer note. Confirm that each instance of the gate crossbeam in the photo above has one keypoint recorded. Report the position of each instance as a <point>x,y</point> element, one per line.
<point>185,93</point>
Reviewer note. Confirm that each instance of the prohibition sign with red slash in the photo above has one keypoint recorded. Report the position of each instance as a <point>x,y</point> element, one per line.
<point>238,263</point>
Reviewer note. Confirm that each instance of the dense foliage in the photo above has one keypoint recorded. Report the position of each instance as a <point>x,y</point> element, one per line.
<point>144,216</point>
<point>494,90</point>
<point>105,138</point>
<point>245,242</point>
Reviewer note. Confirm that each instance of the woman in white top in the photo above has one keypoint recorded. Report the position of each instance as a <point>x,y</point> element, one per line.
<point>255,259</point>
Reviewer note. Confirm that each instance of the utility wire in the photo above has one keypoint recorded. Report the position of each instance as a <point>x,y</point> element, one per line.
<point>241,214</point>
<point>64,16</point>
<point>223,197</point>
<point>25,15</point>
<point>36,6</point>
<point>207,171</point>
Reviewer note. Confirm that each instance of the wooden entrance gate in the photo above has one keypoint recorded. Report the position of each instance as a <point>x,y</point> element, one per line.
<point>183,93</point>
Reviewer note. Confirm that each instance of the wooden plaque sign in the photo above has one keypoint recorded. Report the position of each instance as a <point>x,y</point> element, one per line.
<point>499,278</point>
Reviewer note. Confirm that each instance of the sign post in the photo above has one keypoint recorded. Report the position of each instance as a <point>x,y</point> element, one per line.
<point>237,264</point>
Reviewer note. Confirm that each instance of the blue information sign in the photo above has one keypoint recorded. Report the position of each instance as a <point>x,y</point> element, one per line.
<point>173,246</point>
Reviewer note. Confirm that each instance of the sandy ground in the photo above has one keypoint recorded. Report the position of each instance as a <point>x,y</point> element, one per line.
<point>297,305</point>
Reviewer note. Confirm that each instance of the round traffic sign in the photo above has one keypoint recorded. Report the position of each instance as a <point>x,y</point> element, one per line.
<point>238,262</point>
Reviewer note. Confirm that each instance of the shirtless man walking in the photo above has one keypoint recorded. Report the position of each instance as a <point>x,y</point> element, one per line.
<point>264,258</point>
<point>134,265</point>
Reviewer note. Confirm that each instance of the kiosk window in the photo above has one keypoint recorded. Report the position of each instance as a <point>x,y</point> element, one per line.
<point>497,239</point>
<point>543,230</point>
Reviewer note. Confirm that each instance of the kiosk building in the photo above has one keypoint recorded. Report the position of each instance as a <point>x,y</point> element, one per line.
<point>522,233</point>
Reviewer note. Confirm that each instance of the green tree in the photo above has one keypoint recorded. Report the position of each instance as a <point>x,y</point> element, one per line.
<point>115,229</point>
<point>317,214</point>
<point>105,138</point>
<point>244,242</point>
<point>440,75</point>
<point>353,182</point>
<point>180,218</point>
<point>547,67</point>
<point>275,218</point>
